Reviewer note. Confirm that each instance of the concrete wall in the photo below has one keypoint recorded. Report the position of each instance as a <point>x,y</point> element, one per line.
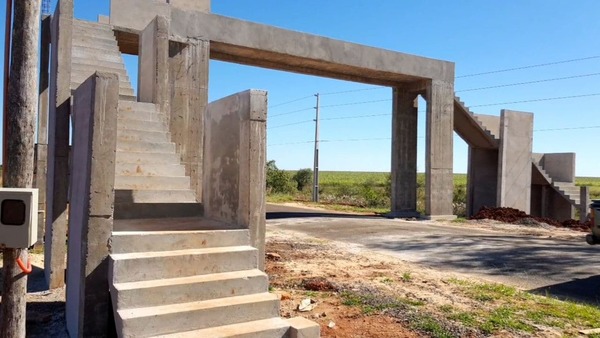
<point>91,206</point>
<point>514,169</point>
<point>490,122</point>
<point>560,166</point>
<point>137,14</point>
<point>482,179</point>
<point>58,144</point>
<point>192,5</point>
<point>153,72</point>
<point>234,163</point>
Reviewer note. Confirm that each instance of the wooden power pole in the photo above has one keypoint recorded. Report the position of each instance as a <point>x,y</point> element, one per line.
<point>20,117</point>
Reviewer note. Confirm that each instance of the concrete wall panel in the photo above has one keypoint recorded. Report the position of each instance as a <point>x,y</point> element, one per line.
<point>192,5</point>
<point>482,180</point>
<point>137,14</point>
<point>515,155</point>
<point>560,166</point>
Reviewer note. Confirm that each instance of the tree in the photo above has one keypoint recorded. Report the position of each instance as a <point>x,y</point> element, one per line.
<point>278,181</point>
<point>303,178</point>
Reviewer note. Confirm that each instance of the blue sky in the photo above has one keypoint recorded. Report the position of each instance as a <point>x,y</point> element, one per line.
<point>479,36</point>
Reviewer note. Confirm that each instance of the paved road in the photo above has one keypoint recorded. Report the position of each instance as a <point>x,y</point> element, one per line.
<point>562,267</point>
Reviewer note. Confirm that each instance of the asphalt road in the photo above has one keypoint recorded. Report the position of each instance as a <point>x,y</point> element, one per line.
<point>566,268</point>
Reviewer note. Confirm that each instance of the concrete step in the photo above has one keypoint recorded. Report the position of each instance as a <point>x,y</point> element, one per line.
<point>154,196</point>
<point>89,69</point>
<point>145,266</point>
<point>141,116</point>
<point>85,41</point>
<point>96,63</point>
<point>78,54</point>
<point>80,78</point>
<point>265,328</point>
<point>153,241</point>
<point>152,182</point>
<point>123,90</point>
<point>149,169</point>
<point>95,48</point>
<point>91,24</point>
<point>150,147</point>
<point>125,134</point>
<point>189,289</point>
<point>138,107</point>
<point>172,318</point>
<point>134,211</point>
<point>123,97</point>
<point>147,157</point>
<point>156,126</point>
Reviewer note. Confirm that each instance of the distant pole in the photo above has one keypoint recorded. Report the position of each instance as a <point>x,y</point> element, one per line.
<point>316,163</point>
<point>20,117</point>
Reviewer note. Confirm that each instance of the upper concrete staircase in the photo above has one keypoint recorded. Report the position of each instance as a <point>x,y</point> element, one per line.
<point>568,190</point>
<point>195,283</point>
<point>150,180</point>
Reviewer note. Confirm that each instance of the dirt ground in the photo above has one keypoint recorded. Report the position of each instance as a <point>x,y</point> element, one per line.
<point>331,276</point>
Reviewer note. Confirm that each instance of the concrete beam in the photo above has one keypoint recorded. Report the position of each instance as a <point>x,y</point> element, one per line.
<point>91,206</point>
<point>234,166</point>
<point>515,155</point>
<point>137,14</point>
<point>439,185</point>
<point>58,145</point>
<point>270,47</point>
<point>404,153</point>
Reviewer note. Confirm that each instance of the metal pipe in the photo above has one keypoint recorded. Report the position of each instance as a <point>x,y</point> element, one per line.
<point>7,41</point>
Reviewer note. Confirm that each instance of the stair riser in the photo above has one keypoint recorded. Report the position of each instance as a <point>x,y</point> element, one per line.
<point>82,74</point>
<point>157,126</point>
<point>152,182</point>
<point>158,210</point>
<point>96,57</point>
<point>137,106</point>
<point>86,62</point>
<point>149,241</point>
<point>151,268</point>
<point>83,42</point>
<point>122,90</point>
<point>150,169</point>
<point>130,299</point>
<point>89,69</point>
<point>86,40</point>
<point>154,196</point>
<point>142,136</point>
<point>147,158</point>
<point>146,147</point>
<point>94,34</point>
<point>123,86</point>
<point>198,319</point>
<point>138,116</point>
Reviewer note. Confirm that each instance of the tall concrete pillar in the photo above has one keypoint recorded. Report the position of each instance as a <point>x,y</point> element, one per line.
<point>92,206</point>
<point>404,153</point>
<point>482,177</point>
<point>188,74</point>
<point>515,156</point>
<point>153,70</point>
<point>439,186</point>
<point>584,205</point>
<point>58,145</point>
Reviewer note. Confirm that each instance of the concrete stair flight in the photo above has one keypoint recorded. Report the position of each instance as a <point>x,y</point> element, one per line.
<point>568,190</point>
<point>471,129</point>
<point>195,283</point>
<point>94,48</point>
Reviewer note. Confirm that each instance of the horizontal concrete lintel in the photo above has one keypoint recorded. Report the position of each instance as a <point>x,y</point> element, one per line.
<point>250,43</point>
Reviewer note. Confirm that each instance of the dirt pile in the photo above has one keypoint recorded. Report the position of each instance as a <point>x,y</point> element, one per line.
<point>515,216</point>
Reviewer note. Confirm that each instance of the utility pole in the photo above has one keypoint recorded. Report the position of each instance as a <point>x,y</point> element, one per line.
<point>316,162</point>
<point>20,117</point>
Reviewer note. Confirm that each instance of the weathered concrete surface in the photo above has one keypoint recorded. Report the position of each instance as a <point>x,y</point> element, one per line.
<point>58,145</point>
<point>188,76</point>
<point>482,179</point>
<point>490,122</point>
<point>404,153</point>
<point>470,129</point>
<point>153,73</point>
<point>137,14</point>
<point>514,170</point>
<point>560,166</point>
<point>265,46</point>
<point>585,201</point>
<point>192,5</point>
<point>91,206</point>
<point>234,166</point>
<point>439,183</point>
<point>558,266</point>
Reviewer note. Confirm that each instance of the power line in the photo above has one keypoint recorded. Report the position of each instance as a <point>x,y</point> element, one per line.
<point>292,101</point>
<point>528,82</point>
<point>529,66</point>
<point>568,128</point>
<point>354,103</point>
<point>354,117</point>
<point>536,100</point>
<point>355,90</point>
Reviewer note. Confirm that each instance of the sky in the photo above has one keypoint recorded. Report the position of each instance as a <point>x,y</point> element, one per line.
<point>549,46</point>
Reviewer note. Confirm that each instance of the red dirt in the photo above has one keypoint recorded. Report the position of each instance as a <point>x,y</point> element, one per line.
<point>515,216</point>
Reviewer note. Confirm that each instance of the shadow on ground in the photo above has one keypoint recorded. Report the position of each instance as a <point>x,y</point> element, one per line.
<point>36,281</point>
<point>586,290</point>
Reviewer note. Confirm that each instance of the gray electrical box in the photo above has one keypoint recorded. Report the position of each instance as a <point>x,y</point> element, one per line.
<point>18,217</point>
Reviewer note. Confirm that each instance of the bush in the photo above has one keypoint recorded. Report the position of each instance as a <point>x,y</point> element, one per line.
<point>303,178</point>
<point>278,181</point>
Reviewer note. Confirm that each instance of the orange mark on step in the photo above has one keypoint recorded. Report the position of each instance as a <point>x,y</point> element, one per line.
<point>204,242</point>
<point>138,169</point>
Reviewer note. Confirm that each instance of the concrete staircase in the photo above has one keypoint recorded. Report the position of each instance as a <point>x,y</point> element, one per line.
<point>150,180</point>
<point>199,283</point>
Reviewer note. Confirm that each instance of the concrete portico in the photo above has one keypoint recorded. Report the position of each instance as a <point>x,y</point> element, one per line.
<point>270,47</point>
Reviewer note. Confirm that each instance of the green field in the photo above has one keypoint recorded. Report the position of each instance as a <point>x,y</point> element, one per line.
<point>370,191</point>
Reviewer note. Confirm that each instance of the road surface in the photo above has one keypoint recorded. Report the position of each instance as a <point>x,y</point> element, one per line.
<point>563,267</point>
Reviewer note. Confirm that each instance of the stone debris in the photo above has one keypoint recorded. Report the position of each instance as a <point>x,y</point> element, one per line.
<point>515,216</point>
<point>307,305</point>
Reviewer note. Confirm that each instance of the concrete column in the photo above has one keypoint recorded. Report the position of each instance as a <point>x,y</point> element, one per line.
<point>404,153</point>
<point>92,204</point>
<point>41,150</point>
<point>584,205</point>
<point>153,72</point>
<point>515,156</point>
<point>482,176</point>
<point>439,186</point>
<point>234,166</point>
<point>188,74</point>
<point>58,145</point>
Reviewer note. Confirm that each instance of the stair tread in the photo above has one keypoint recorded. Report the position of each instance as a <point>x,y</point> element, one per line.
<point>194,306</point>
<point>239,328</point>
<point>155,254</point>
<point>188,280</point>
